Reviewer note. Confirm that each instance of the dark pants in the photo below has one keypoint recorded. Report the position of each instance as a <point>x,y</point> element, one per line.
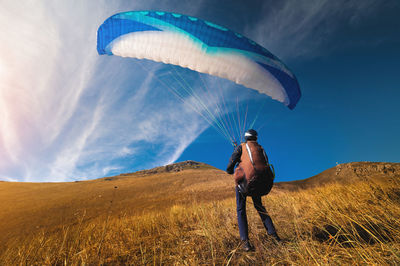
<point>242,217</point>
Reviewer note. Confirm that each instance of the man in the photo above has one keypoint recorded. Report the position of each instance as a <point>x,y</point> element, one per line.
<point>252,165</point>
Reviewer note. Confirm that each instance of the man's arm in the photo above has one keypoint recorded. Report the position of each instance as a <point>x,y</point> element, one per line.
<point>235,158</point>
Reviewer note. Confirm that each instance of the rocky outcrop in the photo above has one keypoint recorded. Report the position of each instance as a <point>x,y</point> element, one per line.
<point>347,173</point>
<point>175,167</point>
<point>367,169</point>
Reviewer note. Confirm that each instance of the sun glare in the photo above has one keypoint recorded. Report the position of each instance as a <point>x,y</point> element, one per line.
<point>2,69</point>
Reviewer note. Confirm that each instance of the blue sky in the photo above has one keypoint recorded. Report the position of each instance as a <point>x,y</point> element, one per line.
<point>68,114</point>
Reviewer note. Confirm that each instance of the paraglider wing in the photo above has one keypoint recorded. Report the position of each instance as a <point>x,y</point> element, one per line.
<point>198,45</point>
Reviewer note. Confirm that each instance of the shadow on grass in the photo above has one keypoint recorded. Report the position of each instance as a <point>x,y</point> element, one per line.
<point>352,234</point>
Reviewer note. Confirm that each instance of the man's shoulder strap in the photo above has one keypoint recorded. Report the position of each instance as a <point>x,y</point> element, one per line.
<point>246,147</point>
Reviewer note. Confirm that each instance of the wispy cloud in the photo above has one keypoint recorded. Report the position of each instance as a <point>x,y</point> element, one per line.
<point>300,28</point>
<point>65,112</point>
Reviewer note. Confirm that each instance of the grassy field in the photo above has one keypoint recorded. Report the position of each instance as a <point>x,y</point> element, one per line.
<point>189,218</point>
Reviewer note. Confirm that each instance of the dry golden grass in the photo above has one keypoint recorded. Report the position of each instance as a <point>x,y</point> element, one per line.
<point>146,223</point>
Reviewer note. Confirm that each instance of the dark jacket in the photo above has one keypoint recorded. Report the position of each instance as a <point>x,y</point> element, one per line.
<point>235,158</point>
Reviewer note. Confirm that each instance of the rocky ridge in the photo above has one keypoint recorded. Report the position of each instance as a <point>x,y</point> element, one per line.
<point>347,173</point>
<point>368,168</point>
<point>174,167</point>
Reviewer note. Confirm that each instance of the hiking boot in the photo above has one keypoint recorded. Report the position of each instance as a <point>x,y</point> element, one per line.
<point>276,237</point>
<point>247,246</point>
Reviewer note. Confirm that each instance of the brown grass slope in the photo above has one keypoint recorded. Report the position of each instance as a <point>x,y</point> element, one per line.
<point>346,173</point>
<point>31,207</point>
<point>185,214</point>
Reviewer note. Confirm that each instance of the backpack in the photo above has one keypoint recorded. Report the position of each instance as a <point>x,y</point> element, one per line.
<point>254,176</point>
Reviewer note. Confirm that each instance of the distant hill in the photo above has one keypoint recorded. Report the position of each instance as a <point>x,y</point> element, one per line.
<point>174,167</point>
<point>346,173</point>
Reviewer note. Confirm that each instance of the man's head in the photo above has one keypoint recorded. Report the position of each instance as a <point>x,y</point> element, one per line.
<point>250,134</point>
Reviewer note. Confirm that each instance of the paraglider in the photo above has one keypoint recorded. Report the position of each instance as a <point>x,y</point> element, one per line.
<point>205,47</point>
<point>201,46</point>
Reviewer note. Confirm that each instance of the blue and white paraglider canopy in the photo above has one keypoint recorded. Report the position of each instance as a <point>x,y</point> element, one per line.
<point>204,47</point>
<point>198,45</point>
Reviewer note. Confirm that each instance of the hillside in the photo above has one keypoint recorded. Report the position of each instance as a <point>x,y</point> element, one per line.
<point>30,207</point>
<point>346,173</point>
<point>184,213</point>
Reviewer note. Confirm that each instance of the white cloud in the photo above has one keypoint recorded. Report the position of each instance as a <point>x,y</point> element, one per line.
<point>107,170</point>
<point>299,28</point>
<point>125,151</point>
<point>67,113</point>
<point>8,179</point>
